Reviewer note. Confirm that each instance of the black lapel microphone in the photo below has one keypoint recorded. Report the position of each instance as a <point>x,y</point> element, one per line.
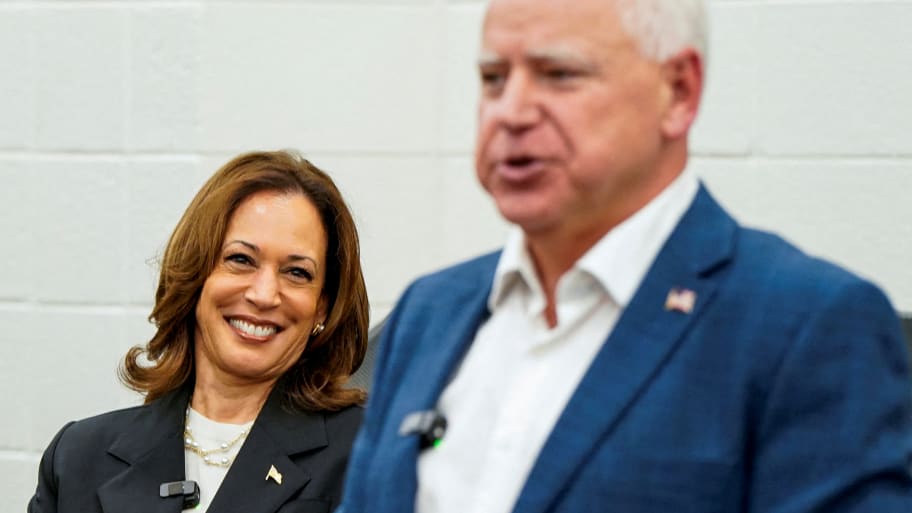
<point>430,425</point>
<point>189,489</point>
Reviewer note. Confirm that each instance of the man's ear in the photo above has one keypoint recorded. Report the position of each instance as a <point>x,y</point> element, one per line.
<point>683,74</point>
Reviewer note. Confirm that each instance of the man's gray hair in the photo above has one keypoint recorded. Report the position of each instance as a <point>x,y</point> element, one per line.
<point>665,27</point>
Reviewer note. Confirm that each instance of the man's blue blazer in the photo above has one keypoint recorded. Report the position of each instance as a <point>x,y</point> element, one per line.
<point>785,390</point>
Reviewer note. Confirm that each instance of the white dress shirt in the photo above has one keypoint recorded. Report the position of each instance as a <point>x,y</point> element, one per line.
<point>519,374</point>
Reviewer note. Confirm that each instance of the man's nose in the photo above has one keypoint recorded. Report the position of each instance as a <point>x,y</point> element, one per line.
<point>263,290</point>
<point>517,108</point>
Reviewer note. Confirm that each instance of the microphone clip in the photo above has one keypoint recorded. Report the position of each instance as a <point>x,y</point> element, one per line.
<point>188,489</point>
<point>430,425</point>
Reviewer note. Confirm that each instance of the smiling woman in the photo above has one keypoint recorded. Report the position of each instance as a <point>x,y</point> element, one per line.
<point>261,316</point>
<point>264,296</point>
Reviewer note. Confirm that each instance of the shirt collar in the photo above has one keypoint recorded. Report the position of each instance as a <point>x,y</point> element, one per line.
<point>514,270</point>
<point>618,261</point>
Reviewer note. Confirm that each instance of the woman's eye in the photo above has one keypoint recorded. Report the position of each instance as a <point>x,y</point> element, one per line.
<point>239,258</point>
<point>300,273</point>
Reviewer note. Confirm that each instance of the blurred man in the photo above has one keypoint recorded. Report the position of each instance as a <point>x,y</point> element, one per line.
<point>632,348</point>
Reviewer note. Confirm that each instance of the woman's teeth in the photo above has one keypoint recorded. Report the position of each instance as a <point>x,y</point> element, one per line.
<point>253,329</point>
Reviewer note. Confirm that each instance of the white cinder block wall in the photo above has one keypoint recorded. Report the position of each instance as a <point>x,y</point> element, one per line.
<point>112,113</point>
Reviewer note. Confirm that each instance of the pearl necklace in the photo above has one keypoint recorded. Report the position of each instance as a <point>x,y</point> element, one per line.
<point>206,454</point>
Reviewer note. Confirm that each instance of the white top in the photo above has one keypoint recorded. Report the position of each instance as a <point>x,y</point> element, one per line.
<point>210,434</point>
<point>519,374</point>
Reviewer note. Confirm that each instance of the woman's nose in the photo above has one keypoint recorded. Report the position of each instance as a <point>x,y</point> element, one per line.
<point>263,290</point>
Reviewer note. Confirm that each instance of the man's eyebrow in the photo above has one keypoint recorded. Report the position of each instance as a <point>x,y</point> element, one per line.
<point>560,55</point>
<point>555,55</point>
<point>486,58</point>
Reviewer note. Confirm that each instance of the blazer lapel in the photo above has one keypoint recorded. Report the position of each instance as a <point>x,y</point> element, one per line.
<point>276,435</point>
<point>644,337</point>
<point>452,338</point>
<point>152,446</point>
<point>432,346</point>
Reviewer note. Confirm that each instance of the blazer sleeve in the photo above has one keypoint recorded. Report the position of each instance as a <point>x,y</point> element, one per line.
<point>836,431</point>
<point>362,454</point>
<point>362,449</point>
<point>45,498</point>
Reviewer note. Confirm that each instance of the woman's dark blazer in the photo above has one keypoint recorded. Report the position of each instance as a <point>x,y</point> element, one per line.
<point>115,462</point>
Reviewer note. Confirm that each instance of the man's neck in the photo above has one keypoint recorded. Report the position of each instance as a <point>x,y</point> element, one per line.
<point>553,254</point>
<point>556,250</point>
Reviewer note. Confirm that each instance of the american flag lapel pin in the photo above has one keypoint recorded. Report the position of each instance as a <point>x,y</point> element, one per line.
<point>274,474</point>
<point>680,300</point>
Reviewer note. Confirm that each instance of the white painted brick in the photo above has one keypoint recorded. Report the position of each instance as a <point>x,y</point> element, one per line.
<point>162,83</point>
<point>379,312</point>
<point>835,78</point>
<point>158,192</point>
<point>318,77</point>
<point>16,337</point>
<point>853,213</point>
<point>71,365</point>
<point>727,120</point>
<point>80,230</point>
<point>396,204</point>
<point>20,476</point>
<point>17,222</point>
<point>359,4</point>
<point>80,75</point>
<point>459,77</point>
<point>16,84</point>
<point>350,2</point>
<point>471,223</point>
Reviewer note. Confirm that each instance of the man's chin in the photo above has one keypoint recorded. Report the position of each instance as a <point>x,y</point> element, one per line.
<point>530,220</point>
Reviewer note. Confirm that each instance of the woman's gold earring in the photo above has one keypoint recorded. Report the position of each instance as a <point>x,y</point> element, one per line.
<point>318,328</point>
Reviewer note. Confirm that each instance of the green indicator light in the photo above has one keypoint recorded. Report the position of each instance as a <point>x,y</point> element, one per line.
<point>438,442</point>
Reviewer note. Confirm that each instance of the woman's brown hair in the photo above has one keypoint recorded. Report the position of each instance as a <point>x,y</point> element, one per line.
<point>316,381</point>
